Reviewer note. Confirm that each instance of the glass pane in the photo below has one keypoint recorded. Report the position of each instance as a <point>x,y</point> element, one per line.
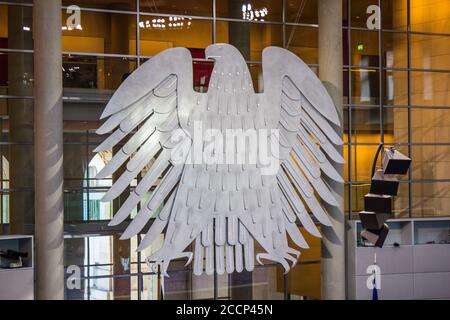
<point>249,38</point>
<point>75,205</point>
<point>430,88</point>
<point>160,33</point>
<point>430,52</point>
<point>299,11</point>
<point>150,287</point>
<point>18,210</point>
<point>359,190</point>
<point>431,162</point>
<point>401,201</point>
<point>16,75</point>
<point>254,10</point>
<point>365,86</point>
<point>192,7</point>
<point>362,158</point>
<point>394,14</point>
<point>16,27</point>
<point>99,32</point>
<point>303,42</point>
<point>177,285</point>
<point>396,125</point>
<point>365,124</point>
<point>395,52</point>
<point>430,199</point>
<point>395,88</point>
<point>364,48</point>
<point>430,125</point>
<point>430,16</point>
<point>98,210</point>
<point>359,15</point>
<point>268,283</point>
<point>18,165</point>
<point>122,5</point>
<point>93,79</point>
<point>75,162</point>
<point>202,287</point>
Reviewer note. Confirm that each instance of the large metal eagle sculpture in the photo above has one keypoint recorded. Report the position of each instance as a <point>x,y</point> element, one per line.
<point>214,212</point>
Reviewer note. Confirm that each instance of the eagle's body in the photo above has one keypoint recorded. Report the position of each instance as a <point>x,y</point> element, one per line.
<point>222,207</point>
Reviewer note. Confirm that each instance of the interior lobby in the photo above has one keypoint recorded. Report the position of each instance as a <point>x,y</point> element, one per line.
<point>395,83</point>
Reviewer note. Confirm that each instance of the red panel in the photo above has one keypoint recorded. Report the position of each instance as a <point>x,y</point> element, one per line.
<point>202,69</point>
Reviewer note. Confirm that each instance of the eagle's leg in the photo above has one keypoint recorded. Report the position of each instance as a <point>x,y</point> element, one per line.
<point>154,261</point>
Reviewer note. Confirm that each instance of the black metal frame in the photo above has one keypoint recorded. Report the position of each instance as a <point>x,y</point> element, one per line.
<point>349,106</point>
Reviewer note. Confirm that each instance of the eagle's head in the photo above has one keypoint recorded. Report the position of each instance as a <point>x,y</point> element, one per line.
<point>230,62</point>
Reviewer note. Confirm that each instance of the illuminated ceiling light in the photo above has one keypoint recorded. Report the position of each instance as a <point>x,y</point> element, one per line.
<point>253,15</point>
<point>165,23</point>
<point>25,28</point>
<point>360,47</point>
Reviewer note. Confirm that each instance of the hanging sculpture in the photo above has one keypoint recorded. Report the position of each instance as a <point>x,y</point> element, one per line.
<point>218,197</point>
<point>383,187</point>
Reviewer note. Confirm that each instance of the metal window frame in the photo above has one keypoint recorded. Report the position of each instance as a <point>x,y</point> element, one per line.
<point>349,107</point>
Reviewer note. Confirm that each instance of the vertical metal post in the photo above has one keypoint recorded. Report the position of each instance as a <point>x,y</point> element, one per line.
<point>350,93</point>
<point>330,72</point>
<point>408,43</point>
<point>49,214</point>
<point>214,27</point>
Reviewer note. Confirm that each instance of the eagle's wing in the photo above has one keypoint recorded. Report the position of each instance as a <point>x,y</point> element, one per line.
<point>143,114</point>
<point>300,107</point>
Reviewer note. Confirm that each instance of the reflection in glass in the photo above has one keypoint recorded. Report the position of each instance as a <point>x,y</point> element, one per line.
<point>160,33</point>
<point>365,86</point>
<point>430,16</point>
<point>303,42</point>
<point>430,199</point>
<point>430,88</point>
<point>430,126</point>
<point>249,39</point>
<point>99,32</point>
<point>190,7</point>
<point>430,52</point>
<point>299,11</point>
<point>395,53</point>
<point>122,5</point>
<point>254,10</point>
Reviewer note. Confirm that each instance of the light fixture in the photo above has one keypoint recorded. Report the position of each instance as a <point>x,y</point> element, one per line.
<point>172,22</point>
<point>253,15</point>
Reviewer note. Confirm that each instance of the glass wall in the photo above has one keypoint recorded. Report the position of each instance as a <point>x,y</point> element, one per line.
<point>396,74</point>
